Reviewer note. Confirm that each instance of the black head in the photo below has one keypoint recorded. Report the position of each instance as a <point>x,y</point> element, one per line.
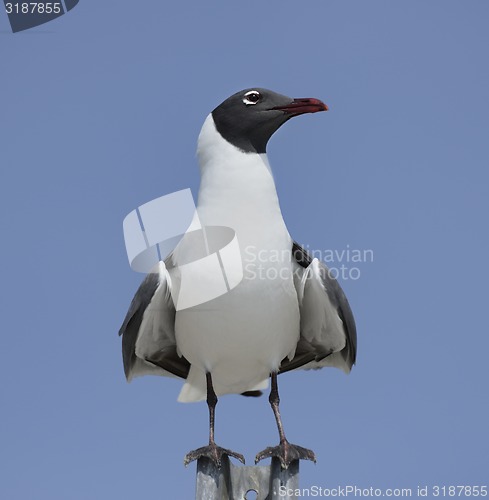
<point>249,118</point>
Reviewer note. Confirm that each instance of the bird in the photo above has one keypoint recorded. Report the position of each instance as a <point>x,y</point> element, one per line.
<point>288,313</point>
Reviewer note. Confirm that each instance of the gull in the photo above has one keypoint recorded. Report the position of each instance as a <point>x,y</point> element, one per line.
<point>286,313</point>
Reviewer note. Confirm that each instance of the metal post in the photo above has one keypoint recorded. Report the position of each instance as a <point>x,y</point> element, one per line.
<point>232,482</point>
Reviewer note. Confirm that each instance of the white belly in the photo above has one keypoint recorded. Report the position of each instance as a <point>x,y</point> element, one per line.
<point>239,337</point>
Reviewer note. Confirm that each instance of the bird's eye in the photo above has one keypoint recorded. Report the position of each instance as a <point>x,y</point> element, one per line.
<point>251,97</point>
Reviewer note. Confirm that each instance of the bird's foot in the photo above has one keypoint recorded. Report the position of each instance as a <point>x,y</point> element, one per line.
<point>286,453</point>
<point>212,452</point>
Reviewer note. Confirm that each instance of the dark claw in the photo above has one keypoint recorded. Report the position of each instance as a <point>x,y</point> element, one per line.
<point>286,453</point>
<point>212,452</point>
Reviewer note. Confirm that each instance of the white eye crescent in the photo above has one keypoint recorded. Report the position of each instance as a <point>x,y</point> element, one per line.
<point>251,97</point>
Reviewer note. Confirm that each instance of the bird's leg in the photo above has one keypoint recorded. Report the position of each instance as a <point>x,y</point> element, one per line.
<point>212,451</point>
<point>285,451</point>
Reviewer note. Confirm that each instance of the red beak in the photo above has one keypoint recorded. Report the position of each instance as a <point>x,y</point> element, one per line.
<point>303,105</point>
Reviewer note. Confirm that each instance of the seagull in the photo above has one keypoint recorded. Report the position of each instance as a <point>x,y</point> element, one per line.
<point>286,313</point>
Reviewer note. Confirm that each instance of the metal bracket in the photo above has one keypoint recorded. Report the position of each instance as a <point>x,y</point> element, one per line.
<point>231,482</point>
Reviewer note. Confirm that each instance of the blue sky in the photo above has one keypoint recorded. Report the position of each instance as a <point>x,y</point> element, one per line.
<point>101,110</point>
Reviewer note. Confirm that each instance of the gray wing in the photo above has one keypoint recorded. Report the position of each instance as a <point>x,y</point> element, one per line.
<point>148,331</point>
<point>328,333</point>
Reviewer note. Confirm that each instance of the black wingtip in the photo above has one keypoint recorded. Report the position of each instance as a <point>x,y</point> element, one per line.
<point>252,394</point>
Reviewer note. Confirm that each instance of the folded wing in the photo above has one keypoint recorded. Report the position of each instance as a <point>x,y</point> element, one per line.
<point>148,331</point>
<point>328,333</point>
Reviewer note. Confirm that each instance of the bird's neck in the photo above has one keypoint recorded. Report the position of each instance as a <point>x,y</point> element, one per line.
<point>237,188</point>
